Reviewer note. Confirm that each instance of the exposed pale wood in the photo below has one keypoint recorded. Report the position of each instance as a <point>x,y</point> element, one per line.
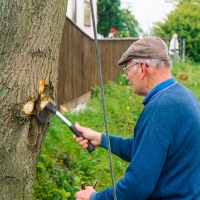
<point>63,109</point>
<point>43,104</point>
<point>28,107</point>
<point>41,85</point>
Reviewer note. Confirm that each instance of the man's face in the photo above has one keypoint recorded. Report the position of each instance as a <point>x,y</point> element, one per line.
<point>133,75</point>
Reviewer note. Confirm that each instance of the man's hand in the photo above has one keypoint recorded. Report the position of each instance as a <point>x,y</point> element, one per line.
<point>84,194</point>
<point>93,136</point>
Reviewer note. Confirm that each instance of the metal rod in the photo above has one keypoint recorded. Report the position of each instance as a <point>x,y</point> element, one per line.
<point>63,118</point>
<point>103,100</point>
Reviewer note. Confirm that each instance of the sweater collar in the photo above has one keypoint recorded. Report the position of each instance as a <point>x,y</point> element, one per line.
<point>158,88</point>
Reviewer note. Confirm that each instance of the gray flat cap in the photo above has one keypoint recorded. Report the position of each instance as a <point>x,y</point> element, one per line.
<point>149,47</point>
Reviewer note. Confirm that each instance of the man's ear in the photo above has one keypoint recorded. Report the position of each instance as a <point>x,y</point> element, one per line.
<point>143,70</point>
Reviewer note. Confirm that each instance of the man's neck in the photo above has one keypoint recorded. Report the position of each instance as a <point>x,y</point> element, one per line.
<point>158,76</point>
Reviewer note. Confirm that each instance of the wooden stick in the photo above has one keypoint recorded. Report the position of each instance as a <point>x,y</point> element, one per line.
<point>83,185</point>
<point>94,184</point>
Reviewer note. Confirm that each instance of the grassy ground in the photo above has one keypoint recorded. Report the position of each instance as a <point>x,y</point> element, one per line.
<point>63,164</point>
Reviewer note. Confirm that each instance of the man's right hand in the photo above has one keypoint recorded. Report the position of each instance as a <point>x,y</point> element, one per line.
<point>93,136</point>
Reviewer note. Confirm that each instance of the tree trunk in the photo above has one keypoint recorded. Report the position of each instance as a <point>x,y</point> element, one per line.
<point>30,37</point>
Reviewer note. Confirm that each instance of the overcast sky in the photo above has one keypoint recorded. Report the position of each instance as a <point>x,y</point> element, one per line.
<point>147,11</point>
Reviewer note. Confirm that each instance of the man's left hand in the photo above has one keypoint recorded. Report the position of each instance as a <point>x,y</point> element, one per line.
<point>85,194</point>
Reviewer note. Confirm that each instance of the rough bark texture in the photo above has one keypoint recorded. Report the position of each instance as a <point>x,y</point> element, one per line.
<point>30,36</point>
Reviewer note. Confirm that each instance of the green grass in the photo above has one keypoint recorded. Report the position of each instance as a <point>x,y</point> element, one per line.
<point>63,164</point>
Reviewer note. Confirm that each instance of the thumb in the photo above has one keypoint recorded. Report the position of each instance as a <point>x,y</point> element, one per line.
<point>78,126</point>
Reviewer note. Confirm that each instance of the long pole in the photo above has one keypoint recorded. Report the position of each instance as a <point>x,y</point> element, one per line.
<point>103,100</point>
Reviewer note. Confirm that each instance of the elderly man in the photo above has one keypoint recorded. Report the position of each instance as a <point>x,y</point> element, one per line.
<point>164,153</point>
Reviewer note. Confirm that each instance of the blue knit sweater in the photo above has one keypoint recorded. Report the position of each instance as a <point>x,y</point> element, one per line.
<point>164,153</point>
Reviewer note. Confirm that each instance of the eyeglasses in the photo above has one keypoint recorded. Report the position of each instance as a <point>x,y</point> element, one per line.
<point>125,69</point>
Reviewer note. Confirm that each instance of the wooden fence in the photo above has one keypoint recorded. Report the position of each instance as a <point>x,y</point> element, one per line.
<point>78,63</point>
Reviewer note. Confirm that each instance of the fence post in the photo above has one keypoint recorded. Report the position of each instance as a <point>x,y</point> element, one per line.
<point>183,52</point>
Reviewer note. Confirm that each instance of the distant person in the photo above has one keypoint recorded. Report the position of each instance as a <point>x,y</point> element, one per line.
<point>99,36</point>
<point>112,33</point>
<point>174,48</point>
<point>164,149</point>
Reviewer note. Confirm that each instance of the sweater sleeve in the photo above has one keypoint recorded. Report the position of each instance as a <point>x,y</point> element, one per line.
<point>119,146</point>
<point>142,174</point>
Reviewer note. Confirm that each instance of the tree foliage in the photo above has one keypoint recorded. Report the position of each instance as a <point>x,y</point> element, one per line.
<point>130,24</point>
<point>177,2</point>
<point>110,15</point>
<point>184,21</point>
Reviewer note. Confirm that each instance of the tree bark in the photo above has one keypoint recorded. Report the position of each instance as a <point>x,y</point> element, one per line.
<point>30,37</point>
